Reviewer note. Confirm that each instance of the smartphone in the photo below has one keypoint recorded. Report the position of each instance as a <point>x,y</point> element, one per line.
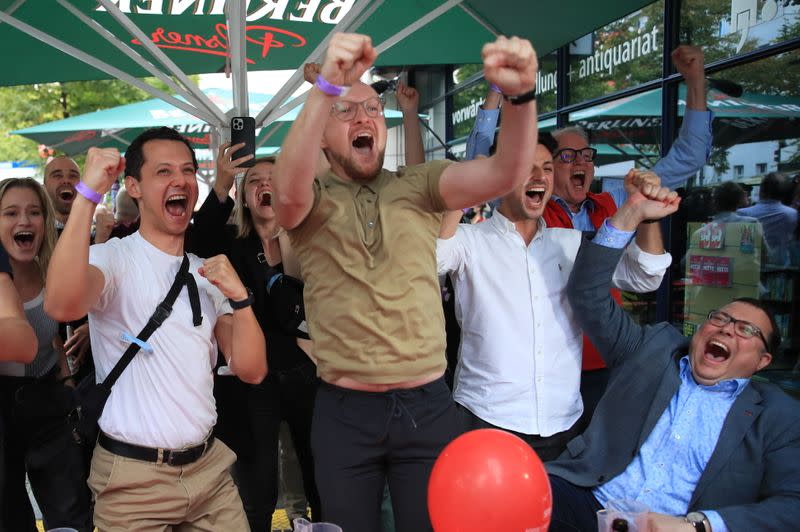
<point>243,129</point>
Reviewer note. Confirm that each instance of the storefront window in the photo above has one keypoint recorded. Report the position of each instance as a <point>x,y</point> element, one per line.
<point>617,56</point>
<point>466,102</point>
<point>725,28</point>
<point>730,252</point>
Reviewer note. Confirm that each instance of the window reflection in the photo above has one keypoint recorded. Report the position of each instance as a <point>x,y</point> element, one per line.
<point>622,54</point>
<point>725,28</point>
<point>737,228</point>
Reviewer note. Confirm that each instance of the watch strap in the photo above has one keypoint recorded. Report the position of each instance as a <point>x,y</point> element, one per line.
<point>244,303</point>
<point>520,99</point>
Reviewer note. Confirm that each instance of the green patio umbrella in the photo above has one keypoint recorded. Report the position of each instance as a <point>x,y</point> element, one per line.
<point>63,40</point>
<point>118,126</point>
<point>748,118</point>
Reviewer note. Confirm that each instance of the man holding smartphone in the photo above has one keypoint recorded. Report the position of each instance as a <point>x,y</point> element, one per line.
<point>366,240</point>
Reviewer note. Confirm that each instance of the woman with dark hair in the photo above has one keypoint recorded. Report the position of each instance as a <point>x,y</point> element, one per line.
<point>258,249</point>
<point>32,396</point>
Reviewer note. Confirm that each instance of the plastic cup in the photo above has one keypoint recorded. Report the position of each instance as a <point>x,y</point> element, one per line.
<point>635,513</point>
<point>302,525</point>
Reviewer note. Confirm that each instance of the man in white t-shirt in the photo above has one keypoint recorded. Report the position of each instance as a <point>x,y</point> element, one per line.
<point>156,428</point>
<point>519,365</point>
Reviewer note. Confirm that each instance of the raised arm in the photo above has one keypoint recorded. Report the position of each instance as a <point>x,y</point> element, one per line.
<point>511,65</point>
<point>690,151</point>
<point>347,58</point>
<point>606,324</point>
<point>239,336</point>
<point>481,137</point>
<point>68,301</point>
<point>408,102</point>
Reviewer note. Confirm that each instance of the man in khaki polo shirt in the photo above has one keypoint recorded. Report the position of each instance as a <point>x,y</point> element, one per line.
<point>366,240</point>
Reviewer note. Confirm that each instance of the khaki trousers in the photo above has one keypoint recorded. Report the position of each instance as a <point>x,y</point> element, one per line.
<point>147,497</point>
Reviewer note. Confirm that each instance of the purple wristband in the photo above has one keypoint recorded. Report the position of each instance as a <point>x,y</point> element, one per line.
<point>84,190</point>
<point>329,88</point>
<point>495,88</point>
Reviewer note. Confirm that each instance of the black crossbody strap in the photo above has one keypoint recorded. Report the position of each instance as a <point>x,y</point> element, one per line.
<point>162,312</point>
<point>194,299</point>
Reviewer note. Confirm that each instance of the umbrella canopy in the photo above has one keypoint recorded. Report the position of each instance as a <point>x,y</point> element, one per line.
<point>749,118</point>
<point>279,34</point>
<point>118,126</point>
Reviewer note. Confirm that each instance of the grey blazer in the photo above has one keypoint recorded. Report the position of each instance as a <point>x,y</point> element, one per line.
<point>753,476</point>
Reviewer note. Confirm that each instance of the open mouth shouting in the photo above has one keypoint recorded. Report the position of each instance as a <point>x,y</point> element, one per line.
<point>535,194</point>
<point>66,193</point>
<point>716,352</point>
<point>578,179</point>
<point>177,205</point>
<point>24,240</point>
<point>363,143</point>
<point>265,199</point>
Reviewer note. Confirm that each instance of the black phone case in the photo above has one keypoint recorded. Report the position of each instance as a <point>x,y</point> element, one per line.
<point>243,129</point>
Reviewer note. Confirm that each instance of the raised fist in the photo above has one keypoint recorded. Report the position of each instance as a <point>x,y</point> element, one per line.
<point>349,56</point>
<point>636,179</point>
<point>103,165</point>
<point>220,273</point>
<point>407,99</point>
<point>510,64</point>
<point>311,71</point>
<point>689,61</point>
<point>103,224</point>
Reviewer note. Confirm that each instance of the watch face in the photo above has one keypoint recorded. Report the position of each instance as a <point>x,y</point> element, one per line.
<point>697,519</point>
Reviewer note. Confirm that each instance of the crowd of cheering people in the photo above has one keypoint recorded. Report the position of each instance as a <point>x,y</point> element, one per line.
<point>317,302</point>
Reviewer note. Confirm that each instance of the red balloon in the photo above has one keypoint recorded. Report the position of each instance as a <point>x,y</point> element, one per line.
<point>489,480</point>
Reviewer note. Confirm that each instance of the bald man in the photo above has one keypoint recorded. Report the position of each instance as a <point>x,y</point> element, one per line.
<point>60,177</point>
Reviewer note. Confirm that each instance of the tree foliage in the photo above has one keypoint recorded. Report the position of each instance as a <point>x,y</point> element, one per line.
<point>28,105</point>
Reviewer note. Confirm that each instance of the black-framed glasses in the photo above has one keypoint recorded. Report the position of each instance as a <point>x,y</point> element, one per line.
<point>745,329</point>
<point>345,110</point>
<point>568,155</point>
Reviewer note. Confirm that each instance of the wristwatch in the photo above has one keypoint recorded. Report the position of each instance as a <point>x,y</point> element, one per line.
<point>699,521</point>
<point>246,302</point>
<point>520,99</point>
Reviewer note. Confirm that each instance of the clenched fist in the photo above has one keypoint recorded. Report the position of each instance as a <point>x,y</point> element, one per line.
<point>349,56</point>
<point>103,165</point>
<point>103,224</point>
<point>510,64</point>
<point>219,272</point>
<point>407,99</point>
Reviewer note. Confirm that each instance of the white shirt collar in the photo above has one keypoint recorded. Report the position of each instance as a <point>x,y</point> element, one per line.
<point>505,226</point>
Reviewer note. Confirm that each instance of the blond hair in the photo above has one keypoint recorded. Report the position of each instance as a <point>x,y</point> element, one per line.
<point>49,240</point>
<point>242,216</point>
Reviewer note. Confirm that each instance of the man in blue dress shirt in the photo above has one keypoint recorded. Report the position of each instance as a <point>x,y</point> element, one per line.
<point>682,428</point>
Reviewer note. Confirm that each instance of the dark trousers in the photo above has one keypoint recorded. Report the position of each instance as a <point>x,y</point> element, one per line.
<point>38,441</point>
<point>593,386</point>
<point>363,439</point>
<point>574,507</point>
<point>285,395</point>
<point>547,447</point>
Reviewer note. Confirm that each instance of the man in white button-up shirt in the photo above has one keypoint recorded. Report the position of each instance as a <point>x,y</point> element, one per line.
<point>520,357</point>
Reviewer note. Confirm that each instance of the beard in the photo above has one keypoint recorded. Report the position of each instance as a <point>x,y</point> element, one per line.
<point>354,172</point>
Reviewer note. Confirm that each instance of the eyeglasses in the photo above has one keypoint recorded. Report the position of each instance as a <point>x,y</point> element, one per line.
<point>568,155</point>
<point>745,329</point>
<point>346,110</point>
